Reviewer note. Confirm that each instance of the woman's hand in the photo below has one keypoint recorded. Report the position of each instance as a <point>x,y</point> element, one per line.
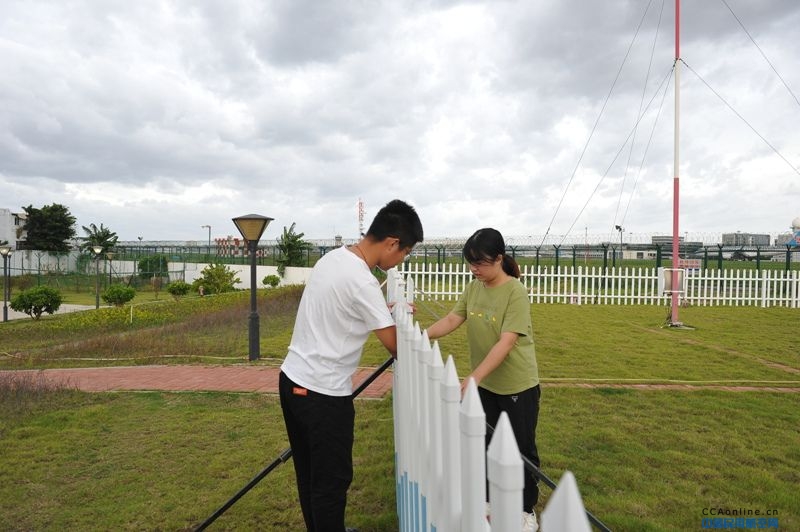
<point>465,382</point>
<point>412,307</point>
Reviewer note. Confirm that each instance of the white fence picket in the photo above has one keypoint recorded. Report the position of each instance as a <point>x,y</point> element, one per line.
<point>564,511</point>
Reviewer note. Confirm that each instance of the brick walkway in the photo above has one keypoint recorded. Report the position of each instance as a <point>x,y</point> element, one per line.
<point>264,379</point>
<point>189,378</point>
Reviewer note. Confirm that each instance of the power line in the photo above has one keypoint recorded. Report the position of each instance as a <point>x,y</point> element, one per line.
<point>644,155</point>
<point>762,53</point>
<point>729,106</point>
<point>608,169</point>
<point>633,141</point>
<point>599,116</point>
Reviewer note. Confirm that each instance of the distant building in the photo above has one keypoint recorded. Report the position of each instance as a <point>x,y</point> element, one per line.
<point>745,239</point>
<point>665,243</point>
<point>11,224</point>
<point>664,240</point>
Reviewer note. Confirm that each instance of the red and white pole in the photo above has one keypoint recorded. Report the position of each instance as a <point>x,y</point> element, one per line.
<point>676,162</point>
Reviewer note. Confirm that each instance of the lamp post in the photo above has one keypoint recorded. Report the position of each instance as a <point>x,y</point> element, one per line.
<point>97,250</point>
<point>5,251</point>
<point>252,226</point>
<point>110,257</point>
<point>209,235</point>
<point>619,228</point>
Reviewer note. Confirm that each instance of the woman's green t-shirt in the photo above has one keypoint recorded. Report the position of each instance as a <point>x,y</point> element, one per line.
<point>490,312</point>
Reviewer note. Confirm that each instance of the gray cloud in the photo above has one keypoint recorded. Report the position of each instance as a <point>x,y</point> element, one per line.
<point>160,117</point>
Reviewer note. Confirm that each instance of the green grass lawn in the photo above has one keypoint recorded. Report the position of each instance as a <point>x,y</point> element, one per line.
<point>645,459</point>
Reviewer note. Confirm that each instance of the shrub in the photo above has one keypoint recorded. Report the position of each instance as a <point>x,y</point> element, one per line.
<point>216,279</point>
<point>36,301</point>
<point>271,280</point>
<point>118,294</point>
<point>178,289</point>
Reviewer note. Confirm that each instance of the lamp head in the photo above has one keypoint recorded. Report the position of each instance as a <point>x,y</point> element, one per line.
<point>5,250</point>
<point>97,250</point>
<point>252,226</point>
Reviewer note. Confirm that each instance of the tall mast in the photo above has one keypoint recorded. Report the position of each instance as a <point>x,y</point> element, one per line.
<point>676,162</point>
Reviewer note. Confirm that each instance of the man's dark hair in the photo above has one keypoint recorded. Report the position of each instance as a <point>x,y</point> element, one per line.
<point>397,219</point>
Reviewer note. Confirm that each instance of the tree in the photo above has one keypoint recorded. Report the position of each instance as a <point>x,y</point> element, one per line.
<point>118,294</point>
<point>98,236</point>
<point>49,228</point>
<point>292,248</point>
<point>216,278</point>
<point>37,300</point>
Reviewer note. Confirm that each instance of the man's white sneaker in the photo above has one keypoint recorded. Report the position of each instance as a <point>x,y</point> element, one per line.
<point>529,523</point>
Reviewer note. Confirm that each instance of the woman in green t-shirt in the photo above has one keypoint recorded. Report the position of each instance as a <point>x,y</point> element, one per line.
<point>497,312</point>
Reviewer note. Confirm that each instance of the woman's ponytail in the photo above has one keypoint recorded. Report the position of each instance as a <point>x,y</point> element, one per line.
<point>510,266</point>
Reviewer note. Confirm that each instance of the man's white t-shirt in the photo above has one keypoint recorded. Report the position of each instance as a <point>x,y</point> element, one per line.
<point>341,304</point>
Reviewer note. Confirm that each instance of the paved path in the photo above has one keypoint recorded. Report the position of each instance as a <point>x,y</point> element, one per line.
<point>261,379</point>
<point>63,309</point>
<point>264,379</point>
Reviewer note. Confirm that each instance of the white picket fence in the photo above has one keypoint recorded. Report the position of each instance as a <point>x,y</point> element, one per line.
<point>621,286</point>
<point>440,455</point>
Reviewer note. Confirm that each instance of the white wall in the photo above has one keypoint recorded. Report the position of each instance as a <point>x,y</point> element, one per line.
<point>293,275</point>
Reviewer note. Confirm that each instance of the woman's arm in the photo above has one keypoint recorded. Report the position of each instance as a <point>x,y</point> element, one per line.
<point>497,354</point>
<point>445,326</point>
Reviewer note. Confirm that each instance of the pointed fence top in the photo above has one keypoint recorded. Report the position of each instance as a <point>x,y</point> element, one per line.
<point>565,511</point>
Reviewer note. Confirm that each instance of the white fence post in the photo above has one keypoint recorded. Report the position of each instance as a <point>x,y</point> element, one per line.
<point>506,477</point>
<point>565,511</point>
<point>473,461</point>
<point>435,493</point>
<point>451,448</point>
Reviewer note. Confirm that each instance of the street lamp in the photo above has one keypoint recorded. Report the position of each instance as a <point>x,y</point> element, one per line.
<point>252,226</point>
<point>110,257</point>
<point>619,228</point>
<point>97,250</point>
<point>5,251</point>
<point>209,235</point>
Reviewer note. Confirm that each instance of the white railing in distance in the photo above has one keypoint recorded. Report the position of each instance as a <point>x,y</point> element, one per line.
<point>621,286</point>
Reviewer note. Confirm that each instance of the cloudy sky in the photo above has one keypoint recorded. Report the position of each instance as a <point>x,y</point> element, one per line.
<point>157,117</point>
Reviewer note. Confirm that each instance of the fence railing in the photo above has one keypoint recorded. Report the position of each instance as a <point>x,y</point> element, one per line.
<point>622,286</point>
<point>441,462</point>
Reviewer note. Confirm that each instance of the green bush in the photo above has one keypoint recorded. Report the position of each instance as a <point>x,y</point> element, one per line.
<point>271,280</point>
<point>36,301</point>
<point>216,279</point>
<point>118,294</point>
<point>178,288</point>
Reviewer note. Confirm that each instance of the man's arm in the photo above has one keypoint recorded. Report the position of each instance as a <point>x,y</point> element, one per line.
<point>388,337</point>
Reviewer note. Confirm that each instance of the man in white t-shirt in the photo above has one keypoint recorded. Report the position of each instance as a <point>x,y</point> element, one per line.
<point>341,304</point>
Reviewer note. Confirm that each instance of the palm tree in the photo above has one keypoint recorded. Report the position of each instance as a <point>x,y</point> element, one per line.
<point>98,236</point>
<point>292,248</point>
